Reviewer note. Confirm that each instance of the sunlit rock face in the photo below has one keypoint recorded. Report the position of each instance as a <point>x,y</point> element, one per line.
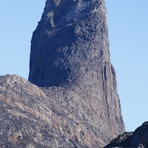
<point>74,102</point>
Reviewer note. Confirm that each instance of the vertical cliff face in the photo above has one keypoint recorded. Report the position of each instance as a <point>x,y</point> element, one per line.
<point>70,54</point>
<point>70,42</point>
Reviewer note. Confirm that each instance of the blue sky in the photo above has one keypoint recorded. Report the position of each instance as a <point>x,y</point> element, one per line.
<point>128,30</point>
<point>128,35</point>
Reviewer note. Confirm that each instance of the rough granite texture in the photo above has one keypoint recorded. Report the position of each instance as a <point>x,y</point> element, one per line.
<point>74,102</point>
<point>29,120</point>
<point>136,139</point>
<point>70,50</point>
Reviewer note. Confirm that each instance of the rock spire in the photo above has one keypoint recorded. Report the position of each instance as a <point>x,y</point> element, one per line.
<point>70,50</point>
<point>72,100</point>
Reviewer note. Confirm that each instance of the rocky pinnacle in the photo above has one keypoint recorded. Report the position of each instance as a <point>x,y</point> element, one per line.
<point>74,102</point>
<point>70,44</point>
<point>70,50</point>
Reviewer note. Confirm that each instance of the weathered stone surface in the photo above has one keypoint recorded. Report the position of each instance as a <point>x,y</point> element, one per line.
<point>47,117</point>
<point>76,103</point>
<point>70,50</point>
<point>70,44</point>
<point>28,119</point>
<point>136,139</point>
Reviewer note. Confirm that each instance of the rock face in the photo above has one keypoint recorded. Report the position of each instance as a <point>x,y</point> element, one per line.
<point>70,44</point>
<point>74,102</point>
<point>70,50</point>
<point>33,117</point>
<point>136,139</point>
<point>29,120</point>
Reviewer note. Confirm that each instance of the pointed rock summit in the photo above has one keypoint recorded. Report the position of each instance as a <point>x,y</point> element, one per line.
<point>74,102</point>
<point>136,139</point>
<point>70,44</point>
<point>70,51</point>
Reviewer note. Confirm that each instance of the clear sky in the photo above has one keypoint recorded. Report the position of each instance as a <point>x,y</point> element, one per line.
<point>128,31</point>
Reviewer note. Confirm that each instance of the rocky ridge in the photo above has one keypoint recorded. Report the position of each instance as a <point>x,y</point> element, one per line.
<point>72,100</point>
<point>27,117</point>
<point>32,118</point>
<point>136,139</point>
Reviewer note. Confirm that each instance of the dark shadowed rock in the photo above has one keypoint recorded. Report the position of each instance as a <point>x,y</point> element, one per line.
<point>70,44</point>
<point>76,103</point>
<point>123,140</point>
<point>136,139</point>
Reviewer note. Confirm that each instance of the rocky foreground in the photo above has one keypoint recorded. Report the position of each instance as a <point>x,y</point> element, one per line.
<point>70,52</point>
<point>136,139</point>
<point>52,117</point>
